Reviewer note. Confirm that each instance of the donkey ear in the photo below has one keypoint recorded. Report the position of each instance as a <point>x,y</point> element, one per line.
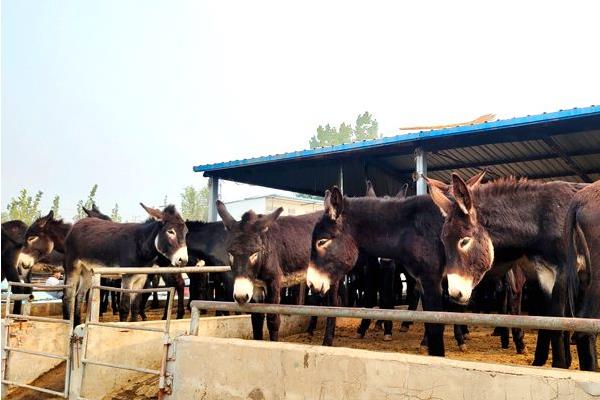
<point>334,203</point>
<point>266,220</point>
<point>227,219</point>
<point>444,187</point>
<point>88,212</point>
<point>402,192</point>
<point>440,200</point>
<point>44,220</point>
<point>462,194</point>
<point>370,192</point>
<point>153,212</point>
<point>475,180</point>
<point>95,208</point>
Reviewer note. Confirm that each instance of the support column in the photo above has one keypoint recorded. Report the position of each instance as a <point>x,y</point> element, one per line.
<point>421,168</point>
<point>213,196</point>
<point>341,178</point>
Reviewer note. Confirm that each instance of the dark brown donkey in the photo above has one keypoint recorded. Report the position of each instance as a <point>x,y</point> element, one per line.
<point>43,236</point>
<point>13,239</point>
<point>269,249</point>
<point>582,233</point>
<point>399,229</point>
<point>504,220</point>
<point>95,242</point>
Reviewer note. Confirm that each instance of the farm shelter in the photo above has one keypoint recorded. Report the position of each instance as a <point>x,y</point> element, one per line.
<point>557,145</point>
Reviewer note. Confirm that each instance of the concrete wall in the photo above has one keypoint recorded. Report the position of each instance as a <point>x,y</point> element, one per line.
<point>38,336</point>
<point>213,368</point>
<point>144,349</point>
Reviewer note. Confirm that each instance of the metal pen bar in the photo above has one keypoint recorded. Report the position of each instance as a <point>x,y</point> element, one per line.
<point>127,367</point>
<point>439,317</point>
<point>120,290</point>
<point>36,353</point>
<point>159,270</point>
<point>50,288</point>
<point>127,326</point>
<point>16,296</point>
<point>19,317</point>
<point>39,389</point>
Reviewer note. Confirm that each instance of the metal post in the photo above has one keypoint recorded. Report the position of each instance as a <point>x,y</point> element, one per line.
<point>94,306</point>
<point>213,196</point>
<point>341,178</point>
<point>421,168</point>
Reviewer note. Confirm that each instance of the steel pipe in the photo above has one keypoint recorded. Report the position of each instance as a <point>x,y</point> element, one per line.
<point>49,288</point>
<point>125,326</point>
<point>508,321</point>
<point>39,389</point>
<point>17,297</point>
<point>121,290</point>
<point>36,353</point>
<point>159,270</point>
<point>127,367</point>
<point>18,317</point>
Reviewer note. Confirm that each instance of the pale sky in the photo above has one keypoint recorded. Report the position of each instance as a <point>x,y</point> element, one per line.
<point>131,94</point>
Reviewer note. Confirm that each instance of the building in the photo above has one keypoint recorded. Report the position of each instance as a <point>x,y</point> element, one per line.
<point>266,204</point>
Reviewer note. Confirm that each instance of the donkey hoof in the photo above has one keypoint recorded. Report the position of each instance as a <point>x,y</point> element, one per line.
<point>423,350</point>
<point>404,328</point>
<point>359,335</point>
<point>387,338</point>
<point>463,347</point>
<point>466,336</point>
<point>523,351</point>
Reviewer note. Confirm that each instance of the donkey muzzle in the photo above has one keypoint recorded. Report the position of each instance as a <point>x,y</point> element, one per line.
<point>317,281</point>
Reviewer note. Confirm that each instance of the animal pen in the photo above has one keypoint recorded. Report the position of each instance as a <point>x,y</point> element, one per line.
<point>208,357</point>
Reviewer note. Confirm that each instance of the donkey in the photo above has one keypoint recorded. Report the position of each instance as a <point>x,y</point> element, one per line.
<point>13,238</point>
<point>43,236</point>
<point>504,220</point>
<point>95,242</point>
<point>399,229</point>
<point>582,236</point>
<point>270,249</point>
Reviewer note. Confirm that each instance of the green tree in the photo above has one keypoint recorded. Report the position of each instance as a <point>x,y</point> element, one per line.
<point>194,203</point>
<point>24,207</point>
<point>366,127</point>
<point>91,199</point>
<point>114,214</point>
<point>56,206</point>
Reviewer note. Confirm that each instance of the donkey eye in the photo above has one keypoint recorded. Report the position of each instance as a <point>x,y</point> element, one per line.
<point>464,243</point>
<point>171,232</point>
<point>253,258</point>
<point>323,242</point>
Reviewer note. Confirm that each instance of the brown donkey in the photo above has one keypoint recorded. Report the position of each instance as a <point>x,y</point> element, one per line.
<point>582,233</point>
<point>504,220</point>
<point>95,242</point>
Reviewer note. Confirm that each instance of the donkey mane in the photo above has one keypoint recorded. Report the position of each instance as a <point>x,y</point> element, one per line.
<point>193,225</point>
<point>507,185</point>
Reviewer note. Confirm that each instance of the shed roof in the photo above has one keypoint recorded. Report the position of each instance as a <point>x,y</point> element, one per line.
<point>558,145</point>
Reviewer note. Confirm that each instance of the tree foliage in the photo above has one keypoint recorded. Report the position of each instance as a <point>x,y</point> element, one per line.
<point>194,203</point>
<point>91,199</point>
<point>114,214</point>
<point>56,207</point>
<point>366,128</point>
<point>25,207</point>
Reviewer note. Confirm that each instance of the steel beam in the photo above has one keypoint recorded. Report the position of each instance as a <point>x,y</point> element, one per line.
<point>421,169</point>
<point>573,166</point>
<point>213,196</point>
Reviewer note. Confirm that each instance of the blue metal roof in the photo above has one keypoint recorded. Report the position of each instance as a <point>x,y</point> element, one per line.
<point>408,137</point>
<point>563,144</point>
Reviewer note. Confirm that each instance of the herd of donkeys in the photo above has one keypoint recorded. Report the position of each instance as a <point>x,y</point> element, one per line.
<point>450,242</point>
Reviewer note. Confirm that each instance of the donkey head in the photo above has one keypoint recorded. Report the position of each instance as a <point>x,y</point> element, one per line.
<point>468,247</point>
<point>333,250</point>
<point>170,239</point>
<point>246,248</point>
<point>39,240</point>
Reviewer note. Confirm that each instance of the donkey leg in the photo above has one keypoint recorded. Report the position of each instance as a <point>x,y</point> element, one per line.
<point>258,320</point>
<point>72,274</point>
<point>333,300</point>
<point>586,350</point>
<point>386,294</point>
<point>180,293</point>
<point>433,301</point>
<point>273,320</point>
<point>125,303</point>
<point>370,299</point>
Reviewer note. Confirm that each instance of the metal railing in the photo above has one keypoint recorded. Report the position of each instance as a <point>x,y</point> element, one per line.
<point>436,317</point>
<point>94,312</point>
<point>7,348</point>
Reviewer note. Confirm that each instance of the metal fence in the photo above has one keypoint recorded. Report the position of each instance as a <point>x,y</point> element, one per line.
<point>494,320</point>
<point>7,348</point>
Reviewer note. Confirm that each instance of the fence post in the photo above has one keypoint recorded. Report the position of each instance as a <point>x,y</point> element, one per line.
<point>94,308</point>
<point>195,322</point>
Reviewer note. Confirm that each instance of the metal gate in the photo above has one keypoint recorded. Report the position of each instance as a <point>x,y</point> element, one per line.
<point>7,348</point>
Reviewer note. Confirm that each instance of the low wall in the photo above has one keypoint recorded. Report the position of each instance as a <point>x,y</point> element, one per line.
<point>144,349</point>
<point>214,368</point>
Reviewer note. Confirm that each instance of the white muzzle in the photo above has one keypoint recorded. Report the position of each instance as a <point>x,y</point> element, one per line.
<point>317,281</point>
<point>460,288</point>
